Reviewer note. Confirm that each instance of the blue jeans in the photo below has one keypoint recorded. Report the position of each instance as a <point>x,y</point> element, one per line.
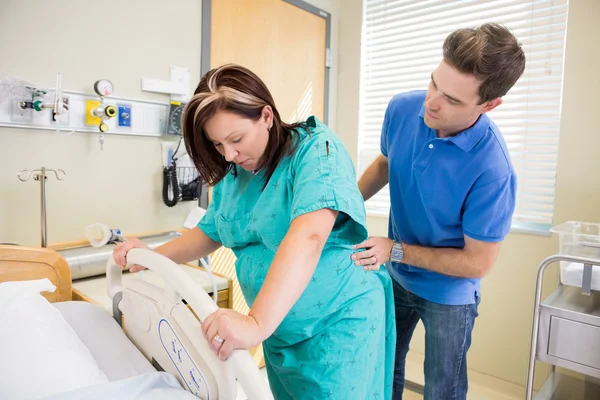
<point>447,340</point>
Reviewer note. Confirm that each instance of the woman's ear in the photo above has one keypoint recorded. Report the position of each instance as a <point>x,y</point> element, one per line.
<point>267,115</point>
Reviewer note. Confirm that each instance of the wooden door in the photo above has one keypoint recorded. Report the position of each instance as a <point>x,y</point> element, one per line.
<point>280,42</point>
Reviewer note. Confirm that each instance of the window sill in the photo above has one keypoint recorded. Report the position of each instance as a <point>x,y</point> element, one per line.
<point>531,228</point>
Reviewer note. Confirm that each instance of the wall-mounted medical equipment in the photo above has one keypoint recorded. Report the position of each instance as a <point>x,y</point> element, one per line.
<point>30,99</point>
<point>566,325</point>
<point>41,175</point>
<point>97,112</point>
<point>27,105</point>
<point>175,114</point>
<point>180,182</point>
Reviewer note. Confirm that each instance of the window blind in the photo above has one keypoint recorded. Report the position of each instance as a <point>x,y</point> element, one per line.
<point>402,44</point>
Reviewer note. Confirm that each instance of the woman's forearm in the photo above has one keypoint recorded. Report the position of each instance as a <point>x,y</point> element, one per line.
<point>191,245</point>
<point>292,268</point>
<point>290,272</point>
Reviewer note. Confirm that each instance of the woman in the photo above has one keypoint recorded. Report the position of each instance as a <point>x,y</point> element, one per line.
<point>286,201</point>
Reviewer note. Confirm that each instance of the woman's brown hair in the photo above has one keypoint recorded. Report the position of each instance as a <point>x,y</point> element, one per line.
<point>235,89</point>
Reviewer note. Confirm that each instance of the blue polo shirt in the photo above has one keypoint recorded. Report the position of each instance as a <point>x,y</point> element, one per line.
<point>442,189</point>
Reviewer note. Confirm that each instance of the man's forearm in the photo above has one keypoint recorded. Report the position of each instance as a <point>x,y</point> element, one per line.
<point>374,178</point>
<point>448,261</point>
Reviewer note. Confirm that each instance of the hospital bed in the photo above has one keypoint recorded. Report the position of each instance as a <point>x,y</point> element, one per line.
<point>160,330</point>
<point>88,270</point>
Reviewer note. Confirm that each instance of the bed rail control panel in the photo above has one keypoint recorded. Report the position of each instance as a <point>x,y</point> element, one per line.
<point>181,360</point>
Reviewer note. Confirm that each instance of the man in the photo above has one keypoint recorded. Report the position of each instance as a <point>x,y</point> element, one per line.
<point>452,189</point>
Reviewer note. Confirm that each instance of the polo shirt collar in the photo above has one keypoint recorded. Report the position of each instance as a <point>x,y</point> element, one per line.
<point>468,138</point>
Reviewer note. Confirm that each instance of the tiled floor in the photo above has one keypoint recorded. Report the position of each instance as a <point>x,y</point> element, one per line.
<point>480,386</point>
<point>411,396</point>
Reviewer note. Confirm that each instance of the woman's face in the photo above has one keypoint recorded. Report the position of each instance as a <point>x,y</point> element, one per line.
<point>240,140</point>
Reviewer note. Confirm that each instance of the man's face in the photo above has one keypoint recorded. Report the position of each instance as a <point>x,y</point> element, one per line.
<point>452,101</point>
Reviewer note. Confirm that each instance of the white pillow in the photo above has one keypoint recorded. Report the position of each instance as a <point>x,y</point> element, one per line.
<point>40,354</point>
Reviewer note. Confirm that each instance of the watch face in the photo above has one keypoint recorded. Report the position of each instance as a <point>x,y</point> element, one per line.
<point>397,252</point>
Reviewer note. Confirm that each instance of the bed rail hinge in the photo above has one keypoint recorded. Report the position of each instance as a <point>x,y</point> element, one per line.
<point>117,314</point>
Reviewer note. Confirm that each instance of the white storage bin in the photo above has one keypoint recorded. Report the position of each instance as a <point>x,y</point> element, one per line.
<point>580,239</point>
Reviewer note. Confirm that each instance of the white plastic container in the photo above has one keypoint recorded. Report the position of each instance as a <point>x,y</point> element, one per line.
<point>580,239</point>
<point>99,234</point>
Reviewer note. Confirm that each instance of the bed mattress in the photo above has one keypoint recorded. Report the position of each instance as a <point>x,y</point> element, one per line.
<point>116,356</point>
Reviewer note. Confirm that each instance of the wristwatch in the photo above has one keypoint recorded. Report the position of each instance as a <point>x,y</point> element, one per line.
<point>397,253</point>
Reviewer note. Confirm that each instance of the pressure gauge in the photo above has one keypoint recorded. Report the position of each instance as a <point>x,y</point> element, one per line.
<point>104,87</point>
<point>174,122</point>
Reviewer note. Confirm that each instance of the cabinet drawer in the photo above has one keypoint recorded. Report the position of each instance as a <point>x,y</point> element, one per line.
<point>574,341</point>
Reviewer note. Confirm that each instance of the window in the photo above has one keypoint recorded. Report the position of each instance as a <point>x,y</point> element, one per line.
<point>402,45</point>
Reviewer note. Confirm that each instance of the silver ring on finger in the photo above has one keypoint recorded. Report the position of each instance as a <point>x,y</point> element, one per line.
<point>219,339</point>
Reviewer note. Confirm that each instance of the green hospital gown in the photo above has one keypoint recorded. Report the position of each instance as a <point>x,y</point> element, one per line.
<point>337,341</point>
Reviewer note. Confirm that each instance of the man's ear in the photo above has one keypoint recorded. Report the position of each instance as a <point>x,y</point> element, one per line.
<point>490,105</point>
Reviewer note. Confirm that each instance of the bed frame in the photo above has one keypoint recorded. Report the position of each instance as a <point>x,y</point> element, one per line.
<point>19,263</point>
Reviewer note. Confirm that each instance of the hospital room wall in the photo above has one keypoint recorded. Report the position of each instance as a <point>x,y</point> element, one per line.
<point>502,332</point>
<point>121,185</point>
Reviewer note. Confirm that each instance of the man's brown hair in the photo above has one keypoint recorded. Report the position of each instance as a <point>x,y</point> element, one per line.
<point>491,53</point>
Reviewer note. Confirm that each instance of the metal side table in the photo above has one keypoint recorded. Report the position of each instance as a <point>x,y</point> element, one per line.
<point>566,333</point>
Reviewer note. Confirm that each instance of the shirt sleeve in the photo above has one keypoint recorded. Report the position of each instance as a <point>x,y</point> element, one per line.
<point>489,209</point>
<point>207,222</point>
<point>323,176</point>
<point>384,129</point>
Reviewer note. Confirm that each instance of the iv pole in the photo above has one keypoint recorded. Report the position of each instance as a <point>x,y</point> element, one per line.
<point>41,177</point>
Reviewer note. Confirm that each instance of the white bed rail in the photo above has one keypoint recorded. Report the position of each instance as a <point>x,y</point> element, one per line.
<point>240,362</point>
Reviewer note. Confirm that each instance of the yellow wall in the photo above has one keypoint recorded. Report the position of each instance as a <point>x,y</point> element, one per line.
<point>502,332</point>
